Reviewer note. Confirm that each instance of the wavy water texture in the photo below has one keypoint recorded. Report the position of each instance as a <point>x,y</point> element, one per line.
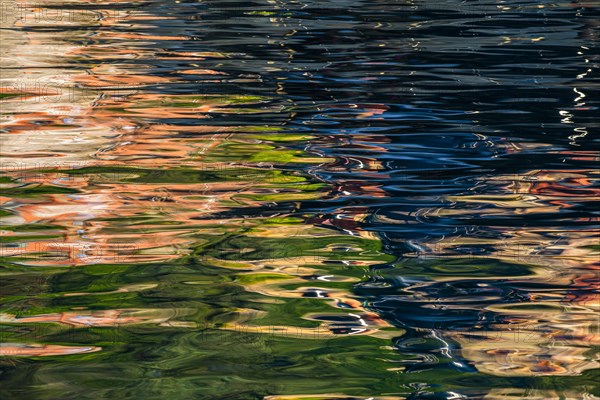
<point>299,200</point>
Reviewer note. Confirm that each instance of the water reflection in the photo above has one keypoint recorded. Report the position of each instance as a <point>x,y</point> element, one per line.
<point>279,199</point>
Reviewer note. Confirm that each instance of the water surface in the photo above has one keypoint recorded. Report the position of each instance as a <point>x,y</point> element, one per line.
<point>302,199</point>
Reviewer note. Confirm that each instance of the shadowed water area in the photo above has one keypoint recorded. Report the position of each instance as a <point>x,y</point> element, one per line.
<point>299,200</point>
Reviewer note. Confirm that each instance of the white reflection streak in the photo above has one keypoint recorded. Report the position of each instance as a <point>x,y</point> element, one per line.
<point>579,132</point>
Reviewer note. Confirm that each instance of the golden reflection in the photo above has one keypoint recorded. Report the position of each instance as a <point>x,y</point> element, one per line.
<point>553,332</point>
<point>97,318</point>
<point>42,350</point>
<point>272,278</point>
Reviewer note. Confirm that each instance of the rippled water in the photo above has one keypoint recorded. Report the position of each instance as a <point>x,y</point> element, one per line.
<point>303,199</point>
